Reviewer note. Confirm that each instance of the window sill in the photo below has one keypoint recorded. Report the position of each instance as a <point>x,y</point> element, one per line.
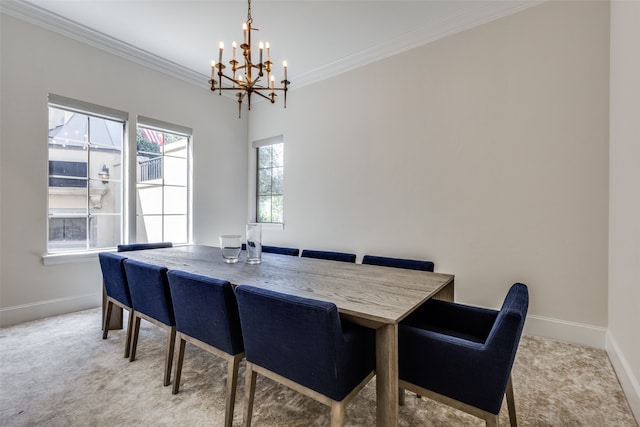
<point>70,257</point>
<point>272,226</point>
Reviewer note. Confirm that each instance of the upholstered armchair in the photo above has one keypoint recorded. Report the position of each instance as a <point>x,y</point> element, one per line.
<point>303,344</point>
<point>462,355</point>
<point>151,298</point>
<point>207,316</point>
<point>116,291</point>
<point>280,250</point>
<point>333,256</point>
<point>141,246</point>
<point>409,264</point>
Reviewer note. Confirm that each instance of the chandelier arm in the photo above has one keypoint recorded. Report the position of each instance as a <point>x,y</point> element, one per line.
<point>262,95</point>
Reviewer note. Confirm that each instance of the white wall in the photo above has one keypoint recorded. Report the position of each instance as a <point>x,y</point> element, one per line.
<point>36,62</point>
<point>486,152</point>
<point>623,338</point>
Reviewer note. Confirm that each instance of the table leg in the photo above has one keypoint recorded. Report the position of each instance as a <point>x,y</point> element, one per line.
<point>387,375</point>
<point>446,293</point>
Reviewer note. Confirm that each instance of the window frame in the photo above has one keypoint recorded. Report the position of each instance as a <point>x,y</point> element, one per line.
<point>256,145</point>
<point>90,110</point>
<point>127,176</point>
<point>163,127</point>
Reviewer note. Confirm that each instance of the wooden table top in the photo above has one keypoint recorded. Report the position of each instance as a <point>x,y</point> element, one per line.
<point>371,295</point>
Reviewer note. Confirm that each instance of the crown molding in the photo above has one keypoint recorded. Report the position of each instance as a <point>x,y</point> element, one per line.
<point>71,29</point>
<point>477,14</point>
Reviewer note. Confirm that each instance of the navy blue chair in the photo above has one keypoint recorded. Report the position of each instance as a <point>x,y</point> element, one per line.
<point>462,356</point>
<point>333,256</point>
<point>151,298</point>
<point>409,264</point>
<point>207,316</point>
<point>140,246</point>
<point>116,291</point>
<point>280,250</point>
<point>303,344</point>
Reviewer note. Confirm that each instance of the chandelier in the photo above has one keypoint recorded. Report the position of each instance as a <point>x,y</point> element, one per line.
<point>248,78</point>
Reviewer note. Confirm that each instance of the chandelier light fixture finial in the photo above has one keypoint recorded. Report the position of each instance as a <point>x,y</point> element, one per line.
<point>248,78</point>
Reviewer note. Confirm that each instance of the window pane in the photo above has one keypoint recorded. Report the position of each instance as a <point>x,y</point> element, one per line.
<point>67,174</point>
<point>175,200</point>
<point>277,181</point>
<point>68,233</point>
<point>277,155</point>
<point>175,228</point>
<point>67,129</point>
<point>276,209</point>
<point>149,228</point>
<point>175,171</point>
<point>149,168</point>
<point>149,199</point>
<point>105,134</point>
<point>109,231</point>
<point>264,209</point>
<point>264,181</point>
<point>101,198</point>
<point>175,145</point>
<point>106,165</point>
<point>264,157</point>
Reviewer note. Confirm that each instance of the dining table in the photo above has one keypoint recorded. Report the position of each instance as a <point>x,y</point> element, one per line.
<point>373,296</point>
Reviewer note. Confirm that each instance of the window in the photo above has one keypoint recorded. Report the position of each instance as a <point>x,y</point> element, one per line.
<point>270,180</point>
<point>162,184</point>
<point>85,188</point>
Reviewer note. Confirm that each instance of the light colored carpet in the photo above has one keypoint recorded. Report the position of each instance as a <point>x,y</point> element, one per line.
<point>59,372</point>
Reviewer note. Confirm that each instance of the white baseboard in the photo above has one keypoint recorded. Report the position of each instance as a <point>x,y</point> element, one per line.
<point>562,330</point>
<point>41,309</point>
<point>630,384</point>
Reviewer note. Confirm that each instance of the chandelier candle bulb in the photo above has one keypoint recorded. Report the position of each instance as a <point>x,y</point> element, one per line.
<point>244,31</point>
<point>268,51</point>
<point>234,45</point>
<point>221,49</point>
<point>213,69</point>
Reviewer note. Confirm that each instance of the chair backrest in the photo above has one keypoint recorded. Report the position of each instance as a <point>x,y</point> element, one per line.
<point>115,279</point>
<point>333,256</point>
<point>301,339</point>
<point>409,264</point>
<point>140,246</point>
<point>149,289</point>
<point>206,309</point>
<point>280,250</point>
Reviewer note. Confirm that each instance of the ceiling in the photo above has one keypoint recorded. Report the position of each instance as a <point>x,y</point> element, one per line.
<point>318,39</point>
